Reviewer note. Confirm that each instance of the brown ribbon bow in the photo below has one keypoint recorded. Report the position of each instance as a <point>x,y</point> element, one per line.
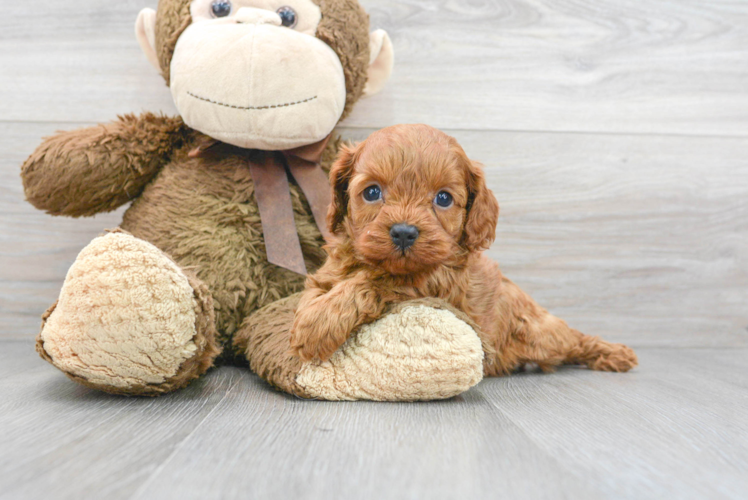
<point>268,170</point>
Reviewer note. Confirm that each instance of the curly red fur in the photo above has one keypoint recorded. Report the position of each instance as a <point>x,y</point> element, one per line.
<point>365,271</point>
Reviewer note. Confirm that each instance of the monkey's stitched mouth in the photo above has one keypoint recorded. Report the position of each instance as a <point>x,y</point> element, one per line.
<point>251,108</point>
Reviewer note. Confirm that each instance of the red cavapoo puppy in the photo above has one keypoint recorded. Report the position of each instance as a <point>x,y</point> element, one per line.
<point>410,217</point>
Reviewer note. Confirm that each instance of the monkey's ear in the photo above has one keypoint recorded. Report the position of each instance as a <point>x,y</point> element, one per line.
<point>145,31</point>
<point>380,63</point>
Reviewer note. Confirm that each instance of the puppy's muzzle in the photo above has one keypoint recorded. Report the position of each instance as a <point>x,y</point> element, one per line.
<point>403,235</point>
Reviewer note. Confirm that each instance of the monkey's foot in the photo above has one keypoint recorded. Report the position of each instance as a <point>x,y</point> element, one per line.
<point>420,350</point>
<point>129,320</point>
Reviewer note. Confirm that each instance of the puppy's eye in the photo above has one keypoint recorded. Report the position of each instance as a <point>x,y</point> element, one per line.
<point>220,8</point>
<point>373,193</point>
<point>443,199</point>
<point>288,16</point>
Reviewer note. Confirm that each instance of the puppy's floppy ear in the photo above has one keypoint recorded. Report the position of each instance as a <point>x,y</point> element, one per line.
<point>340,175</point>
<point>482,211</point>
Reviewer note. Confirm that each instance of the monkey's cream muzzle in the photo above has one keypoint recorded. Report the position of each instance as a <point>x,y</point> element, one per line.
<point>257,85</point>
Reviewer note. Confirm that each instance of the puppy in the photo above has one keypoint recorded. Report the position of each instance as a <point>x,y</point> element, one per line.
<point>410,217</point>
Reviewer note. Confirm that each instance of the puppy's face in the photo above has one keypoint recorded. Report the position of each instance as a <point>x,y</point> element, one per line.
<point>410,200</point>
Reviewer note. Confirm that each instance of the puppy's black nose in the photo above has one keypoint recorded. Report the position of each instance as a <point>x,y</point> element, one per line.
<point>403,235</point>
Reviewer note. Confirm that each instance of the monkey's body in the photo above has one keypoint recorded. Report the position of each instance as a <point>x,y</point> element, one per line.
<point>200,212</point>
<point>203,214</point>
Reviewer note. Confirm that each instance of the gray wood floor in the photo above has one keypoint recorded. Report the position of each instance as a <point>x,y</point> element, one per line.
<point>615,135</point>
<point>673,429</point>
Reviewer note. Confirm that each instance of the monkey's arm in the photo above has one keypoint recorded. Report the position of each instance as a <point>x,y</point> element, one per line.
<point>97,169</point>
<point>325,319</point>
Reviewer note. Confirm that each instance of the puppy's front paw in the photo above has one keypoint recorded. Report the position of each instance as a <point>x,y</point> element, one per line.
<point>316,335</point>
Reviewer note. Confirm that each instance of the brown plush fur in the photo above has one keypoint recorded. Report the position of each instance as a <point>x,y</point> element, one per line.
<point>365,272</point>
<point>344,27</point>
<point>172,18</point>
<point>263,338</point>
<point>97,169</point>
<point>202,212</point>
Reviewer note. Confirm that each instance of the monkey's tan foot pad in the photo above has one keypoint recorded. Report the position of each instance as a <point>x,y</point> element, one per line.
<point>415,353</point>
<point>420,350</point>
<point>128,320</point>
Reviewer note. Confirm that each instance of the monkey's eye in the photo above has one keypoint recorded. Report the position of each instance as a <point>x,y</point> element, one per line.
<point>373,193</point>
<point>220,8</point>
<point>288,16</point>
<point>443,199</point>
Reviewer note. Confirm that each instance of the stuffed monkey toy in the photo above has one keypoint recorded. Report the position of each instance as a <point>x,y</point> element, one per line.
<point>227,202</point>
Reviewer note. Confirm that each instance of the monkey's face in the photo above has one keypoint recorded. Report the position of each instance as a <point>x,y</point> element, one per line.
<point>253,73</point>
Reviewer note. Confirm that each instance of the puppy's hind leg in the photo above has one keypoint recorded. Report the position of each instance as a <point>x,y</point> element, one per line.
<point>600,355</point>
<point>536,336</point>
